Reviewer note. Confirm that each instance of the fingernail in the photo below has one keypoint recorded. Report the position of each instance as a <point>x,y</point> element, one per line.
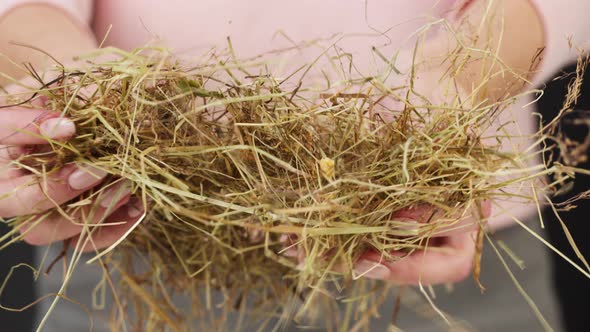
<point>371,270</point>
<point>58,128</point>
<point>66,171</point>
<point>115,194</point>
<point>135,208</point>
<point>85,177</point>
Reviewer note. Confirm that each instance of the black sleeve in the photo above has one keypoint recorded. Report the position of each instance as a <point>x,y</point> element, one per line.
<point>572,287</point>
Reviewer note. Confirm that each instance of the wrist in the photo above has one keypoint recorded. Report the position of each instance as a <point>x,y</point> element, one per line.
<point>47,28</point>
<point>500,45</point>
<point>566,27</point>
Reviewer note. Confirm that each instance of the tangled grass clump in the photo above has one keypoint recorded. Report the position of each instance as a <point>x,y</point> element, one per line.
<point>237,168</point>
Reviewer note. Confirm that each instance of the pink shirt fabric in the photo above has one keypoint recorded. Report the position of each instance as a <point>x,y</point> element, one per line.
<point>254,26</point>
<point>188,25</point>
<point>258,26</point>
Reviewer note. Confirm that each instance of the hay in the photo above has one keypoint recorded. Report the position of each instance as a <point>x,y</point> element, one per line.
<point>236,168</point>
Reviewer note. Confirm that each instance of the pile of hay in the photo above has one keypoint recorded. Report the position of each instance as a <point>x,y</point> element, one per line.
<point>237,168</point>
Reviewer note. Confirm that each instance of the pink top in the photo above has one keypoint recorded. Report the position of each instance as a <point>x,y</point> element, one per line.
<point>254,26</point>
<point>191,27</point>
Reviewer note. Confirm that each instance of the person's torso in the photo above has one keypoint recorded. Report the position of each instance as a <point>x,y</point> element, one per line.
<point>258,26</point>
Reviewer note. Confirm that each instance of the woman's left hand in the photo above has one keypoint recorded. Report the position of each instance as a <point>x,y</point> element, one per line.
<point>448,255</point>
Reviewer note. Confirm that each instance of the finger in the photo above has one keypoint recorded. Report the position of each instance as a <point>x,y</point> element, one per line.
<point>422,213</point>
<point>441,225</point>
<point>429,266</point>
<point>471,220</point>
<point>122,221</point>
<point>19,126</point>
<point>57,227</point>
<point>30,194</point>
<point>8,154</point>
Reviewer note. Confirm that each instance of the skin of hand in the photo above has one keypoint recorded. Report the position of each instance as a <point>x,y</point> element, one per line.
<point>448,255</point>
<point>23,130</point>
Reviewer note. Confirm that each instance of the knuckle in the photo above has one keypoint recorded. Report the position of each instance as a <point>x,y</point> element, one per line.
<point>9,211</point>
<point>5,213</point>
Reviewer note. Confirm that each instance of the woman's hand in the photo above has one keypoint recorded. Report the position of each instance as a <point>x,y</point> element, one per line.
<point>24,131</point>
<point>449,248</point>
<point>448,255</point>
<point>22,193</point>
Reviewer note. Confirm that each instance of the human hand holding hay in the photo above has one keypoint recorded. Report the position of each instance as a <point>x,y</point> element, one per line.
<point>449,249</point>
<point>32,129</point>
<point>27,190</point>
<point>448,255</point>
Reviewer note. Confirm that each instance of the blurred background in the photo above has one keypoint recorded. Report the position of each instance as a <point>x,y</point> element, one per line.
<point>572,288</point>
<point>18,291</point>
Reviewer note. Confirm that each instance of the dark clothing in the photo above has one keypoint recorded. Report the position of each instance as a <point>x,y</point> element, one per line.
<point>573,288</point>
<point>19,291</point>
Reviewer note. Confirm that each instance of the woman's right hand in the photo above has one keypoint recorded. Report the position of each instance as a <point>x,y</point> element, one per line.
<point>24,193</point>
